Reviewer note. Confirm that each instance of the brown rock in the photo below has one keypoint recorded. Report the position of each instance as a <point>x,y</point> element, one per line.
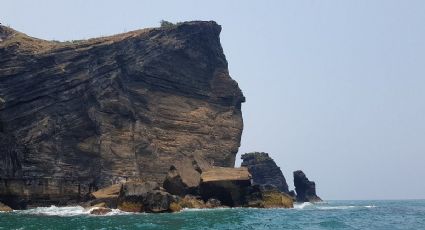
<point>175,207</point>
<point>190,201</point>
<point>5,208</point>
<point>78,116</point>
<point>268,196</point>
<point>100,211</point>
<point>185,175</point>
<point>213,203</point>
<point>108,192</point>
<point>144,197</point>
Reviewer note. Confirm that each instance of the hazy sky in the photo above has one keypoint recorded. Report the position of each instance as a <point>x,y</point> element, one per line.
<point>335,88</point>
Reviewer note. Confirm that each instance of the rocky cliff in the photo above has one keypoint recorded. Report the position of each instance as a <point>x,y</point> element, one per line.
<point>77,116</point>
<point>264,170</point>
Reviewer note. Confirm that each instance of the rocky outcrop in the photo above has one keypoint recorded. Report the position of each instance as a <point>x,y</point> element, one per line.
<point>227,185</point>
<point>144,197</point>
<point>190,201</point>
<point>268,196</point>
<point>82,115</point>
<point>264,170</point>
<point>306,189</point>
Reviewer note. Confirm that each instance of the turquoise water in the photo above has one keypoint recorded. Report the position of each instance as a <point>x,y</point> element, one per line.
<point>408,214</point>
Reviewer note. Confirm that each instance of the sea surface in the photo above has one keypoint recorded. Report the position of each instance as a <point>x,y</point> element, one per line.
<point>388,215</point>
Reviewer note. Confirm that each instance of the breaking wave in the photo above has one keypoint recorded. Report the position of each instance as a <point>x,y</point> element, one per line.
<point>65,211</point>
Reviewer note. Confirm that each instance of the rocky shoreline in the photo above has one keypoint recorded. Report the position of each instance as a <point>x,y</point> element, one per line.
<point>210,187</point>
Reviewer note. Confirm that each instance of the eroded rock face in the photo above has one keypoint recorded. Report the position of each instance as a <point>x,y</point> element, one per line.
<point>76,117</point>
<point>306,189</point>
<point>264,170</point>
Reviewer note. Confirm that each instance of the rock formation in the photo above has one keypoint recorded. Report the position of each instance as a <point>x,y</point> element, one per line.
<point>306,189</point>
<point>184,176</point>
<point>144,197</point>
<point>78,116</point>
<point>225,184</point>
<point>264,170</point>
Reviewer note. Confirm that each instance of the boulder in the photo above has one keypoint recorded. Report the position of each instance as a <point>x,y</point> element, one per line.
<point>306,189</point>
<point>100,211</point>
<point>264,170</point>
<point>228,185</point>
<point>5,208</point>
<point>190,201</point>
<point>144,197</point>
<point>184,176</point>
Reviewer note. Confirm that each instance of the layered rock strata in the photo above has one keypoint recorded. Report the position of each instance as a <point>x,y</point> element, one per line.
<point>82,115</point>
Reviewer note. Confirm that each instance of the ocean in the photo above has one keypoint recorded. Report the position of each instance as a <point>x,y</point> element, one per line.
<point>388,215</point>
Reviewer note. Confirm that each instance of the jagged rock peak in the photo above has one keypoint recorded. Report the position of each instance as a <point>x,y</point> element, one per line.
<point>264,170</point>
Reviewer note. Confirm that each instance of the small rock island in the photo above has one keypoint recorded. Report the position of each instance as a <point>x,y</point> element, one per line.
<point>145,121</point>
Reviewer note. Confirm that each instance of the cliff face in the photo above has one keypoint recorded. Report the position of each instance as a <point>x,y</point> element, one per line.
<point>75,116</point>
<point>264,170</point>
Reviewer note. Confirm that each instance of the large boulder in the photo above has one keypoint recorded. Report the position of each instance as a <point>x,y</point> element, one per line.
<point>144,197</point>
<point>306,189</point>
<point>105,197</point>
<point>184,176</point>
<point>264,170</point>
<point>228,185</point>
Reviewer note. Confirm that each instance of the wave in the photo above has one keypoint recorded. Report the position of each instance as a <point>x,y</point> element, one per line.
<point>344,207</point>
<point>327,206</point>
<point>302,205</point>
<point>65,211</point>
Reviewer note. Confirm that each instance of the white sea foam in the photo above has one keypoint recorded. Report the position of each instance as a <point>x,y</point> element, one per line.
<point>65,211</point>
<point>302,205</point>
<point>344,207</point>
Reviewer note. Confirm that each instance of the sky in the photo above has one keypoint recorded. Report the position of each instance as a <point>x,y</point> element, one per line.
<point>335,88</point>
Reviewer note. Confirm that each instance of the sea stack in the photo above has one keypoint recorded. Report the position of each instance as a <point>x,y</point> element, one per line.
<point>306,189</point>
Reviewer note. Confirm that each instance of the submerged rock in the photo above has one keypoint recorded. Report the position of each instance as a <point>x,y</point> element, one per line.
<point>264,170</point>
<point>306,189</point>
<point>100,211</point>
